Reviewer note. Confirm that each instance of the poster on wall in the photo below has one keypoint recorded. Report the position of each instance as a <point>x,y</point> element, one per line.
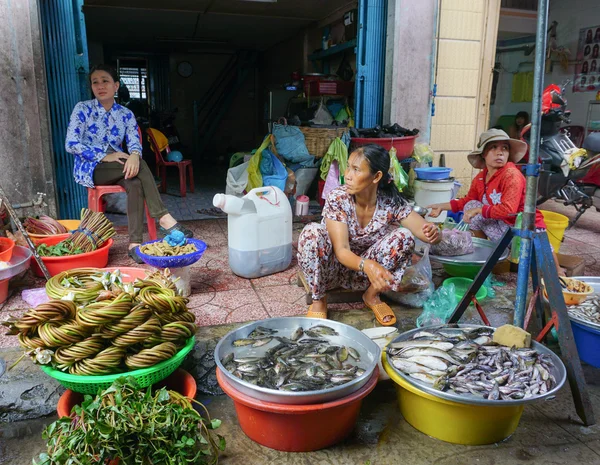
<point>587,69</point>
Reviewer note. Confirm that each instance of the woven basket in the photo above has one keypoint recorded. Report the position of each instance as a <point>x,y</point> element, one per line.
<point>318,140</point>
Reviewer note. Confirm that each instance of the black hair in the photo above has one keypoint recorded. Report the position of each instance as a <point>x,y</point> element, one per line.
<point>523,114</point>
<point>107,68</point>
<point>378,159</point>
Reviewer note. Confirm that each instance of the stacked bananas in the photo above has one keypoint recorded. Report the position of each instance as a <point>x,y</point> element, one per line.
<point>95,324</point>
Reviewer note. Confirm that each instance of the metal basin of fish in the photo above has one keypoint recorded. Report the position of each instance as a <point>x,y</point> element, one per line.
<point>558,371</point>
<point>458,419</point>
<point>368,351</point>
<point>483,250</point>
<point>593,281</point>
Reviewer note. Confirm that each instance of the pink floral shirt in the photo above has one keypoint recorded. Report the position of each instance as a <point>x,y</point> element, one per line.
<point>340,206</point>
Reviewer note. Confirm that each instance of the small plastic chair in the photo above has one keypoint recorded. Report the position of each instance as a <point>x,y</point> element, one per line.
<point>161,164</point>
<point>575,133</point>
<point>96,204</point>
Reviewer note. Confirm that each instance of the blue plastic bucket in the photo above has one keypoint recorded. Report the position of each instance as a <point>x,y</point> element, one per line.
<point>432,174</point>
<point>587,340</point>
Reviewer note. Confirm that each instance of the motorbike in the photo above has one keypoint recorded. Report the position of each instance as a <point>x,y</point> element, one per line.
<point>563,166</point>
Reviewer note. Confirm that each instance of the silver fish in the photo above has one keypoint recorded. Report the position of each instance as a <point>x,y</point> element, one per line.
<point>445,346</point>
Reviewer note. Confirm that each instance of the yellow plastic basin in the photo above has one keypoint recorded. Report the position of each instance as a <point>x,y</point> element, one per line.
<point>452,421</point>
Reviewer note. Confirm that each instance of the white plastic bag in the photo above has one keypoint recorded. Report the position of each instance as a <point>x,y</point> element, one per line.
<point>237,179</point>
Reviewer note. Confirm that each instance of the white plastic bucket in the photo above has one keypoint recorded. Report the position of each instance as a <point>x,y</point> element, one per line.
<point>430,192</point>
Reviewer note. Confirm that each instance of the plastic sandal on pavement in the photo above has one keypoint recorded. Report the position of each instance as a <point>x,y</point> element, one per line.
<point>134,256</point>
<point>381,311</point>
<point>313,314</point>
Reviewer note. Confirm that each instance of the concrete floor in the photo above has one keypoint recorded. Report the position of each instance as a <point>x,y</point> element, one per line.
<point>549,432</point>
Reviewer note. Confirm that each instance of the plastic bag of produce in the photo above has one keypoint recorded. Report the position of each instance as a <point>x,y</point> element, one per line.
<point>416,286</point>
<point>438,309</point>
<point>453,243</point>
<point>398,174</point>
<point>423,154</point>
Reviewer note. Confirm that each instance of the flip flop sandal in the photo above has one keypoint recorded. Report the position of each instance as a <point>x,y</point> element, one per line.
<point>134,256</point>
<point>176,227</point>
<point>312,314</point>
<point>381,311</point>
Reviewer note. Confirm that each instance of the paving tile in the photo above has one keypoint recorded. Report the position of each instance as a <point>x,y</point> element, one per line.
<point>205,280</point>
<point>287,276</point>
<point>227,306</point>
<point>287,300</point>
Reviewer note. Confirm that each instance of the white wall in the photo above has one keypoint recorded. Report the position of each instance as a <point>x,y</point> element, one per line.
<point>571,17</point>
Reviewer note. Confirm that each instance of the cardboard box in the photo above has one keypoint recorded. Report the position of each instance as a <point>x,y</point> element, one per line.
<point>573,265</point>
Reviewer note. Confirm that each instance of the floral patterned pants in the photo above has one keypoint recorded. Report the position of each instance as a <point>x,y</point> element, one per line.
<point>493,229</point>
<point>324,272</point>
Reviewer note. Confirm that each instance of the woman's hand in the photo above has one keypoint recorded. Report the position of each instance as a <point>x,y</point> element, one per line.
<point>380,278</point>
<point>435,210</point>
<point>469,214</point>
<point>432,233</point>
<point>119,157</point>
<point>132,166</point>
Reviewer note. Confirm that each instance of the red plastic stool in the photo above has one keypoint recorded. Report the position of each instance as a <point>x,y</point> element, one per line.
<point>96,204</point>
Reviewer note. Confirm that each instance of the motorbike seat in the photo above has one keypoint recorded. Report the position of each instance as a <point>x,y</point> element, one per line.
<point>592,142</point>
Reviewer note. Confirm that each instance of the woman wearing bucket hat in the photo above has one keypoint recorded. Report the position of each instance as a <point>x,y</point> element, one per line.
<point>497,193</point>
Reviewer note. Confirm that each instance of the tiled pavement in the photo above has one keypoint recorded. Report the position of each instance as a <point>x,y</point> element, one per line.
<point>219,296</point>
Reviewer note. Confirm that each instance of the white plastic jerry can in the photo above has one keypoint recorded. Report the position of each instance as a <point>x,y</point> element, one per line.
<point>259,227</point>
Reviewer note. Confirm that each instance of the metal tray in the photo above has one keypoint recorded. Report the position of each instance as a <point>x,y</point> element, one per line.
<point>369,351</point>
<point>559,372</point>
<point>483,250</point>
<point>593,281</point>
<point>18,263</point>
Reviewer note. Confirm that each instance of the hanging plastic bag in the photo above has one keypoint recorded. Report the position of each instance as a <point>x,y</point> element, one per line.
<point>423,154</point>
<point>291,144</point>
<point>332,181</point>
<point>416,286</point>
<point>454,243</point>
<point>339,152</point>
<point>272,170</point>
<point>322,115</point>
<point>254,176</point>
<point>398,174</point>
<point>439,307</point>
<point>515,245</point>
<point>237,179</point>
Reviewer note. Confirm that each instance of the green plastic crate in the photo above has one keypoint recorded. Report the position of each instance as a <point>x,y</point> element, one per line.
<point>145,376</point>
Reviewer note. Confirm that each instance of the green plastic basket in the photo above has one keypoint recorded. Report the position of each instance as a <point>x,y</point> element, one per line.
<point>145,376</point>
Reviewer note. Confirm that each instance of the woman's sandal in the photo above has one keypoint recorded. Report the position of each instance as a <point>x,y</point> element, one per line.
<point>134,256</point>
<point>313,314</point>
<point>176,227</point>
<point>381,311</point>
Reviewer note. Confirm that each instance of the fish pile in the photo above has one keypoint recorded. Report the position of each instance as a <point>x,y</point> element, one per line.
<point>304,361</point>
<point>467,362</point>
<point>588,310</point>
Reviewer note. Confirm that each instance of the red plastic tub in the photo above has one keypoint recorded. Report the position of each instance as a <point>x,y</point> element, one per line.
<point>297,428</point>
<point>96,259</point>
<point>4,290</point>
<point>179,381</point>
<point>6,249</point>
<point>404,145</point>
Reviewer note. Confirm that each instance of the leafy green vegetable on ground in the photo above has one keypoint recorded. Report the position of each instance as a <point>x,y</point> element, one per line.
<point>138,426</point>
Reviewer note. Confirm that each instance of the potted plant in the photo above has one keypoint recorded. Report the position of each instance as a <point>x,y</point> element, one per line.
<point>128,426</point>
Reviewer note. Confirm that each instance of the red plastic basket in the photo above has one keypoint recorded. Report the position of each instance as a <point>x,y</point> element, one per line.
<point>404,145</point>
<point>96,259</point>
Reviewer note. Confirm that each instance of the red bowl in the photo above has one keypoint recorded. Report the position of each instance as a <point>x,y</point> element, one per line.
<point>404,145</point>
<point>297,428</point>
<point>96,259</point>
<point>6,249</point>
<point>179,381</point>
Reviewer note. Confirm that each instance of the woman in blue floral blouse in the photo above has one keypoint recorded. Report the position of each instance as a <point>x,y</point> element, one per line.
<point>95,135</point>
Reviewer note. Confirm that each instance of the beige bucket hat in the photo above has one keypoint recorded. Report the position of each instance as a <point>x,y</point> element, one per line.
<point>518,148</point>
